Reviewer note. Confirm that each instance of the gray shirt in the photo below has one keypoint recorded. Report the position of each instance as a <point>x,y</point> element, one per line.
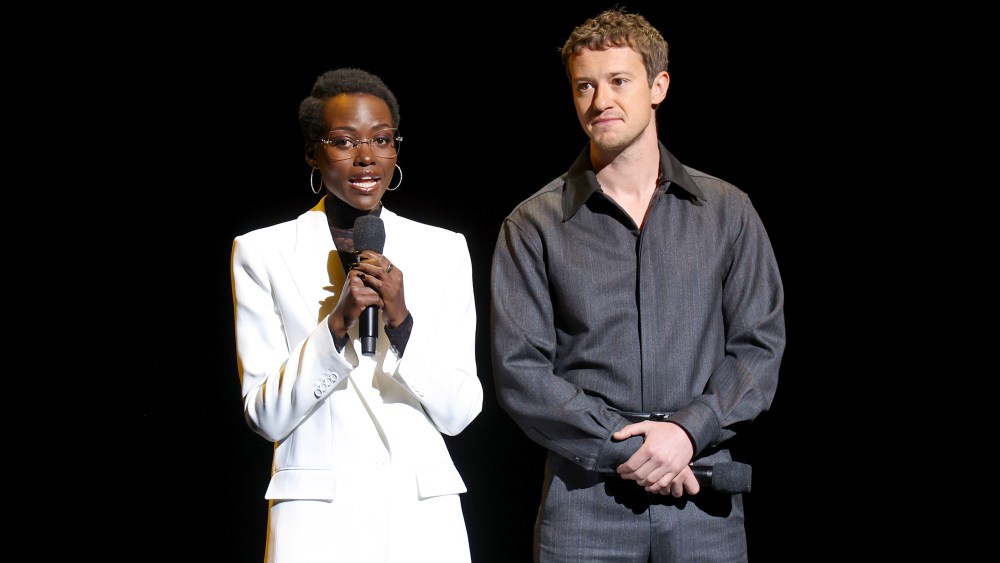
<point>591,314</point>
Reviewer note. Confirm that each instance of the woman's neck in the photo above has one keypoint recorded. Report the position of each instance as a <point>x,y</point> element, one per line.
<point>342,216</point>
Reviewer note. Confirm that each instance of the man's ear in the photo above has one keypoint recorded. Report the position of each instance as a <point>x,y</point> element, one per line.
<point>658,91</point>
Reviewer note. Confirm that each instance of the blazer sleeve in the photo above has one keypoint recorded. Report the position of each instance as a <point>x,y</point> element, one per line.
<point>282,382</point>
<point>439,364</point>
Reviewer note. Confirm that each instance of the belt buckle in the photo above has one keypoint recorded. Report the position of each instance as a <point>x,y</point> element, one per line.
<point>658,416</point>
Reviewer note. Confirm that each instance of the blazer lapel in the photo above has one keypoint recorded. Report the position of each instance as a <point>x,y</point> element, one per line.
<point>315,264</point>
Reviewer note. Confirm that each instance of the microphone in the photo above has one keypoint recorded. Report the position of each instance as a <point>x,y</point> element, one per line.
<point>369,234</point>
<point>730,477</point>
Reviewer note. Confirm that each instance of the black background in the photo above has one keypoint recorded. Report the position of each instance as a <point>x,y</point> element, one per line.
<point>487,116</point>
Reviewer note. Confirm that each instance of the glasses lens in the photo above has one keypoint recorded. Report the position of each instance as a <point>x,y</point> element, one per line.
<point>385,144</point>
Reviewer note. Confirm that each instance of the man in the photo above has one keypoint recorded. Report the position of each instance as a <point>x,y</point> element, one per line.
<point>637,323</point>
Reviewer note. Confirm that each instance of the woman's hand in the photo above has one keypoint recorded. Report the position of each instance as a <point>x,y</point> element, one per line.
<point>385,281</point>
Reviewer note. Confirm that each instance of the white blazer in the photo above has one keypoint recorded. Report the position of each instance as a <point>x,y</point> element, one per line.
<point>338,419</point>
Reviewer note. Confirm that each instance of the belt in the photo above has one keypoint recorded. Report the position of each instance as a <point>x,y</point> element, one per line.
<point>641,416</point>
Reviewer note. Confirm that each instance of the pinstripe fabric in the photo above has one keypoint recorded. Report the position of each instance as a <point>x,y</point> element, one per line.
<point>590,517</point>
<point>589,313</point>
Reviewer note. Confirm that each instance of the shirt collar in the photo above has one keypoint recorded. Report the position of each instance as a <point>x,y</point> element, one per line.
<point>581,182</point>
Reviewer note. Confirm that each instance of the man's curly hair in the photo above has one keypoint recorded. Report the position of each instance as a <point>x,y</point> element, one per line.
<point>616,28</point>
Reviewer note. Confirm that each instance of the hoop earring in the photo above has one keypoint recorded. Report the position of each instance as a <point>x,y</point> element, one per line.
<point>312,185</point>
<point>397,185</point>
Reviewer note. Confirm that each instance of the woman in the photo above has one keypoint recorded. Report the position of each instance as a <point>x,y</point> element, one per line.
<point>360,471</point>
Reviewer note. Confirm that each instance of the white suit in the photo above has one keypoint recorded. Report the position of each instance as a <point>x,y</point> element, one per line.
<point>361,471</point>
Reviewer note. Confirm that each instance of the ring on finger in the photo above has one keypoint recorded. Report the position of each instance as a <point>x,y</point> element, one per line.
<point>389,269</point>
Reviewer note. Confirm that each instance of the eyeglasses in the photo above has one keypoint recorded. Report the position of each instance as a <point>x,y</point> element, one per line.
<point>383,144</point>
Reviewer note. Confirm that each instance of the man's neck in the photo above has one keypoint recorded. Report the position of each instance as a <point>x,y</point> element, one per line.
<point>629,176</point>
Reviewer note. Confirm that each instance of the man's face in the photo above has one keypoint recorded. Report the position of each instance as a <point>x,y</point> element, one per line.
<point>614,102</point>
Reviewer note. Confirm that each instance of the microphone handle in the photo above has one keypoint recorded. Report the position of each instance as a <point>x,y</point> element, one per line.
<point>368,330</point>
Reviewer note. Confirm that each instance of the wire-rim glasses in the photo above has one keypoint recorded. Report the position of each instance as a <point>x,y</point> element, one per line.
<point>384,143</point>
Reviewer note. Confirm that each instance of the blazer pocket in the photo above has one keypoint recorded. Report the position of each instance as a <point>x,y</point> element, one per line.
<point>439,479</point>
<point>303,484</point>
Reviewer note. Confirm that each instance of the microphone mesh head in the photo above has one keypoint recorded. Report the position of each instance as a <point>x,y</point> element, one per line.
<point>731,477</point>
<point>369,233</point>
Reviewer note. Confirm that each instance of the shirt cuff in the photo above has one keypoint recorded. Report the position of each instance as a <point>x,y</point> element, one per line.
<point>400,335</point>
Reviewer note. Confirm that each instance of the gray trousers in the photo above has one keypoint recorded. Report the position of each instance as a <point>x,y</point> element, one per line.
<point>593,517</point>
